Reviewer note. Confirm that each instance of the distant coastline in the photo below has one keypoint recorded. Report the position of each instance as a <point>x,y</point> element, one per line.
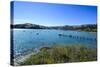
<point>85,27</point>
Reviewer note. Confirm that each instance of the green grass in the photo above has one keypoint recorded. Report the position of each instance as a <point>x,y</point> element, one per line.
<point>62,54</point>
<point>89,30</point>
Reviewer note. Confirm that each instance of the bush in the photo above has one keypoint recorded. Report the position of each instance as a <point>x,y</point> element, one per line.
<point>62,54</point>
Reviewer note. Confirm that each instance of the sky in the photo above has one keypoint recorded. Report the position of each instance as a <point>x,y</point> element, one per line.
<point>50,14</point>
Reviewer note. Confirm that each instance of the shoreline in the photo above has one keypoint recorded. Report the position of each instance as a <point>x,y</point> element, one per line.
<point>20,59</point>
<point>54,29</point>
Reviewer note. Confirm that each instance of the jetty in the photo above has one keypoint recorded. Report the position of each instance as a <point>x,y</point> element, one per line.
<point>77,37</point>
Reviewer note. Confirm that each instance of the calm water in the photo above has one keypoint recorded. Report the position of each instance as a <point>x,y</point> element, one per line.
<point>27,40</point>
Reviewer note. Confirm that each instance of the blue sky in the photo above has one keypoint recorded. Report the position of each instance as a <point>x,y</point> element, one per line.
<point>53,14</point>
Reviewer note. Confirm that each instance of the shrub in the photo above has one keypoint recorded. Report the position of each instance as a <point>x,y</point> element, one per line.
<point>62,54</point>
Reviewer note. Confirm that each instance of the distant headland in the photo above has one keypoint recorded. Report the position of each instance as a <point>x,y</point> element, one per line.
<point>84,27</point>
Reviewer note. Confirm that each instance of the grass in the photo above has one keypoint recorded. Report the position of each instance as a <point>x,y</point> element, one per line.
<point>89,30</point>
<point>62,54</point>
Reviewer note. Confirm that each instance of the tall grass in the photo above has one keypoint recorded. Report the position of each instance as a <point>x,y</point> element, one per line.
<point>62,54</point>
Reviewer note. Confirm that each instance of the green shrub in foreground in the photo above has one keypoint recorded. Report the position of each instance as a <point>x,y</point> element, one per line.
<point>62,54</point>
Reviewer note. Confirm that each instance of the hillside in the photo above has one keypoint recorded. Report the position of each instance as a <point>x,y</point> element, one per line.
<point>85,27</point>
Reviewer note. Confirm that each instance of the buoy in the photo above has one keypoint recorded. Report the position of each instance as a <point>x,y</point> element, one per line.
<point>59,34</point>
<point>37,33</point>
<point>70,35</point>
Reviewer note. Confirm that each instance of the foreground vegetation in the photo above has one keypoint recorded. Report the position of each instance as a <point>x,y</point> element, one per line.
<point>62,54</point>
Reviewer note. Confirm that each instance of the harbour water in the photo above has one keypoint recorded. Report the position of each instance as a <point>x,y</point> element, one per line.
<point>27,40</point>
